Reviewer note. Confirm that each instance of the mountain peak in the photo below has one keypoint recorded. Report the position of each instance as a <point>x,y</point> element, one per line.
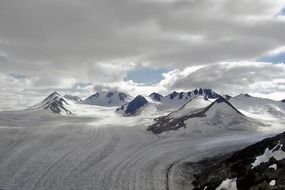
<point>55,102</point>
<point>134,106</point>
<point>156,96</point>
<point>108,98</point>
<point>212,114</point>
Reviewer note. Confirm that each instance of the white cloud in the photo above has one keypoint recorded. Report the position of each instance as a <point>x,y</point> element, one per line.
<point>256,78</point>
<point>57,44</point>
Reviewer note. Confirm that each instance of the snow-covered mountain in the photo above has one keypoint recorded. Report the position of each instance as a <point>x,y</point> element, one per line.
<point>261,108</point>
<point>55,103</point>
<point>108,99</point>
<point>134,107</point>
<point>176,100</point>
<point>218,115</point>
<point>259,166</point>
<point>156,96</point>
<point>74,99</point>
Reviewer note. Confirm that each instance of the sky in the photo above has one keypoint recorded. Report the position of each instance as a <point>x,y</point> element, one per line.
<point>140,46</point>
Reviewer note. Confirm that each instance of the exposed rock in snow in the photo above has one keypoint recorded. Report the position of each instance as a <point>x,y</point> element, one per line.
<point>227,97</point>
<point>108,99</point>
<point>156,97</point>
<point>134,107</point>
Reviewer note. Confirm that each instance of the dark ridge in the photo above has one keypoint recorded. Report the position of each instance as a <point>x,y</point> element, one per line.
<point>227,97</point>
<point>53,94</point>
<point>209,93</point>
<point>122,96</point>
<point>222,99</point>
<point>283,101</point>
<point>181,95</point>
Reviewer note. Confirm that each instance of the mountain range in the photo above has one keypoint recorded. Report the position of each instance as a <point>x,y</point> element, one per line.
<point>175,108</point>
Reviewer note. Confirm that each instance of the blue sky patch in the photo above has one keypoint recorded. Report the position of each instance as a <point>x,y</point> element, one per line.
<point>146,75</point>
<point>278,58</point>
<point>281,12</point>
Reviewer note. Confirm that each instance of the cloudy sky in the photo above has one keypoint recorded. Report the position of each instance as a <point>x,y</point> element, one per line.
<point>140,46</point>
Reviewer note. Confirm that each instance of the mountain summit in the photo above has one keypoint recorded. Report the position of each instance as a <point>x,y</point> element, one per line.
<point>108,99</point>
<point>218,115</point>
<point>133,107</point>
<point>56,103</point>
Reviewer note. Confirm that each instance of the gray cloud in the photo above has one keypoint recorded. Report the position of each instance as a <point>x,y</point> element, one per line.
<point>232,78</point>
<point>59,43</point>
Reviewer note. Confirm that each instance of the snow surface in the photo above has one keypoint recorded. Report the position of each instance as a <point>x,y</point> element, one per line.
<point>269,112</point>
<point>272,182</point>
<point>228,184</point>
<point>273,166</point>
<point>275,152</point>
<point>220,118</point>
<point>196,103</point>
<point>95,148</point>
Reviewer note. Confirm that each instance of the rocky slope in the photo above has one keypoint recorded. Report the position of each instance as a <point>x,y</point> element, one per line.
<point>134,107</point>
<point>218,115</point>
<point>259,166</point>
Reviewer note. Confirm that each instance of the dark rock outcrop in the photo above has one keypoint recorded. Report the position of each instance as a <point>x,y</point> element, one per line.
<point>239,166</point>
<point>156,96</point>
<point>133,107</point>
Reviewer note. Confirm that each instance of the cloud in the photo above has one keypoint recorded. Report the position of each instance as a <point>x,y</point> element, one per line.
<point>59,44</point>
<point>257,78</point>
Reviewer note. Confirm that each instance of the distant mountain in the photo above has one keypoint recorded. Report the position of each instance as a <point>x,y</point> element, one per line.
<point>176,100</point>
<point>203,116</point>
<point>55,103</point>
<point>156,96</point>
<point>259,166</point>
<point>74,99</point>
<point>283,101</point>
<point>134,107</point>
<point>108,99</point>
<point>259,107</point>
